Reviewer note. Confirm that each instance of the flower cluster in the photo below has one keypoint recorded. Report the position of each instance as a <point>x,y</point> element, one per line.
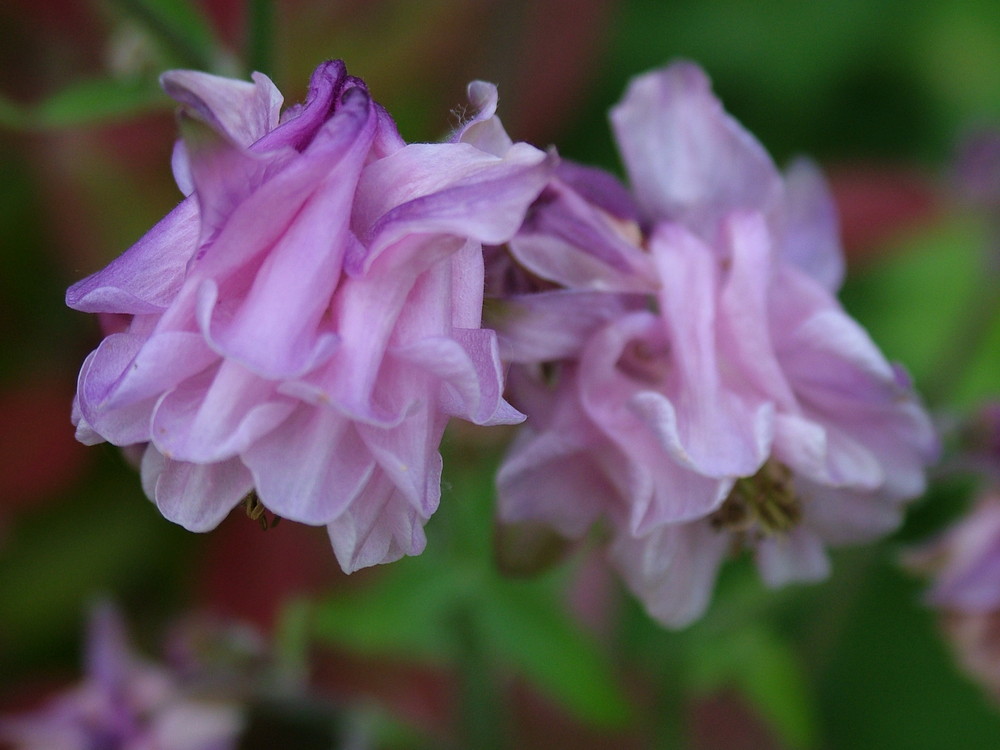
<point>689,375</point>
<point>296,333</point>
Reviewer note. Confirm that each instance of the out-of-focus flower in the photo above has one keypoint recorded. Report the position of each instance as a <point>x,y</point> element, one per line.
<point>964,563</point>
<point>708,390</point>
<point>125,703</point>
<point>305,322</point>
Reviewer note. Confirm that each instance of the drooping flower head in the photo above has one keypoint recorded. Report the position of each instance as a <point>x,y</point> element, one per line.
<point>303,324</point>
<point>709,391</point>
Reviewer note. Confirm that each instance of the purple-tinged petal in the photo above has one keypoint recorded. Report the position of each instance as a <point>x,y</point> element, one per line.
<point>968,555</point>
<point>599,188</point>
<point>311,467</point>
<point>98,377</point>
<point>147,277</point>
<point>484,129</point>
<point>469,366</point>
<point>275,330</point>
<point>467,286</point>
<point>811,230</point>
<point>566,240</point>
<point>556,475</point>
<point>164,361</point>
<point>217,415</point>
<point>672,569</point>
<point>448,189</point>
<point>405,455</point>
<point>224,174</point>
<point>847,516</point>
<point>549,326</point>
<point>196,496</point>
<point>243,112</point>
<point>687,160</point>
<point>380,526</point>
<point>620,370</point>
<point>300,123</point>
<point>711,428</point>
<point>744,306</point>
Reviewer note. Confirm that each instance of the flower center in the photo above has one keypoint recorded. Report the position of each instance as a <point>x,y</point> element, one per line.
<point>762,505</point>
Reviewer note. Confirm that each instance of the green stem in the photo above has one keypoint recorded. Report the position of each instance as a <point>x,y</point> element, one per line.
<point>965,342</point>
<point>260,33</point>
<point>187,52</point>
<point>481,705</point>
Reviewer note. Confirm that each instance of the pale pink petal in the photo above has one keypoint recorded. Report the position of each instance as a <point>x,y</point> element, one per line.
<point>811,229</point>
<point>672,569</point>
<point>311,467</point>
<point>380,526</point>
<point>196,496</point>
<point>687,160</point>
<point>796,556</point>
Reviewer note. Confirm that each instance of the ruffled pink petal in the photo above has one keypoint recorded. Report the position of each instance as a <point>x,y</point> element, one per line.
<point>380,526</point>
<point>568,241</point>
<point>275,329</point>
<point>659,481</point>
<point>449,189</point>
<point>99,375</point>
<point>847,516</point>
<point>550,326</point>
<point>467,286</point>
<point>196,496</point>
<point>555,475</point>
<point>311,467</point>
<point>744,331</point>
<point>672,569</point>
<point>689,161</point>
<point>407,456</point>
<point>704,424</point>
<point>243,112</point>
<point>217,415</point>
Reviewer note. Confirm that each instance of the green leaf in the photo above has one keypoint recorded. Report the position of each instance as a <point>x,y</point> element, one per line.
<point>96,100</point>
<point>527,629</point>
<point>400,613</point>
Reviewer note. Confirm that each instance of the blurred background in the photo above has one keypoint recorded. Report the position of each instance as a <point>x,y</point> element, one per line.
<point>884,94</point>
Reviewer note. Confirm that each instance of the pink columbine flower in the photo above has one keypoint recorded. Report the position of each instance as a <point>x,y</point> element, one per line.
<point>709,391</point>
<point>304,323</point>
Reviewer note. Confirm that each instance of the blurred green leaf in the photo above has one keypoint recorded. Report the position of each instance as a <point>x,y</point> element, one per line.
<point>401,613</point>
<point>890,682</point>
<point>96,100</point>
<point>180,27</point>
<point>767,672</point>
<point>527,629</point>
<point>914,302</point>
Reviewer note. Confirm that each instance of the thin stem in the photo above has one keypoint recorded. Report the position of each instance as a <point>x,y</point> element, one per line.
<point>260,33</point>
<point>188,52</point>
<point>965,341</point>
<point>481,721</point>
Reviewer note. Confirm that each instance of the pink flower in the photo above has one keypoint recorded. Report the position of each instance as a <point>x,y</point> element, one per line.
<point>303,325</point>
<point>710,390</point>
